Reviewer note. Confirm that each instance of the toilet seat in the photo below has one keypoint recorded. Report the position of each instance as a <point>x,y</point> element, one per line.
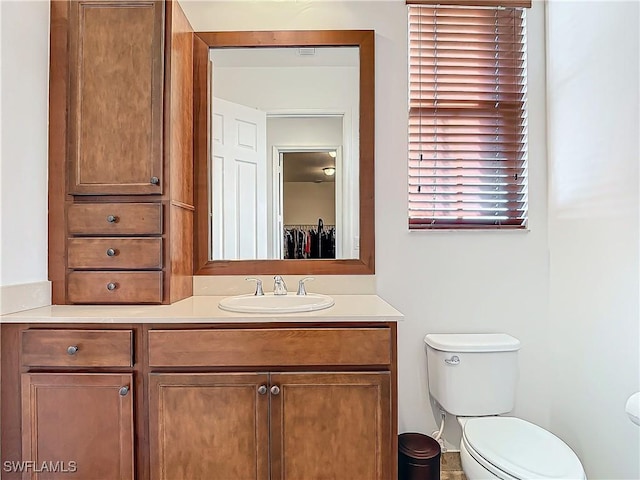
<point>511,447</point>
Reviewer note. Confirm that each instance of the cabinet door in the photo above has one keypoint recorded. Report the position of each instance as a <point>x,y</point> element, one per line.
<point>116,84</point>
<point>331,426</point>
<point>209,426</point>
<point>77,426</point>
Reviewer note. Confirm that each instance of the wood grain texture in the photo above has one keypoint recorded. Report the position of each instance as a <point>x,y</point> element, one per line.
<point>365,40</point>
<point>58,85</point>
<point>212,426</point>
<point>131,287</point>
<point>96,348</point>
<point>115,97</point>
<point>331,425</point>
<point>270,347</point>
<point>178,141</point>
<point>179,115</point>
<point>181,242</point>
<point>310,418</point>
<point>10,401</point>
<point>201,151</point>
<point>127,253</point>
<point>393,396</point>
<point>130,219</point>
<point>367,151</point>
<point>82,418</point>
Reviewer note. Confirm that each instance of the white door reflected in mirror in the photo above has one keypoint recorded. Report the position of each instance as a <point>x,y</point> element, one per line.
<point>285,187</point>
<point>239,179</point>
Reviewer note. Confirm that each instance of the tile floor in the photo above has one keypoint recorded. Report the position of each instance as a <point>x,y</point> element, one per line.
<point>450,467</point>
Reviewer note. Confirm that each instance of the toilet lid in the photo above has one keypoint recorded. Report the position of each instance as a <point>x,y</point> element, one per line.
<point>521,449</point>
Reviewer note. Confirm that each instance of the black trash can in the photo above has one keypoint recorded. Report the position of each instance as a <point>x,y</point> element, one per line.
<point>418,457</point>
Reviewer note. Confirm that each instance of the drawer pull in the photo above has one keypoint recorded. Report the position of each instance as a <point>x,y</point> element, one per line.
<point>112,252</point>
<point>155,181</point>
<point>123,391</point>
<point>111,286</point>
<point>275,390</point>
<point>112,219</point>
<point>262,389</point>
<point>72,349</point>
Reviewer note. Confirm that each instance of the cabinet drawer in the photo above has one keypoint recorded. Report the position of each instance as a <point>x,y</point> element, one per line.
<point>271,347</point>
<point>115,253</point>
<point>77,348</point>
<point>115,219</point>
<point>115,287</point>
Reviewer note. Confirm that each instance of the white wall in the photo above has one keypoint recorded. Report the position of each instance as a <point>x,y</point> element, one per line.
<point>289,88</point>
<point>24,37</point>
<point>594,130</point>
<point>441,281</point>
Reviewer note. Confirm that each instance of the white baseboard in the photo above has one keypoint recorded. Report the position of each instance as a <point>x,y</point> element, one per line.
<point>16,298</point>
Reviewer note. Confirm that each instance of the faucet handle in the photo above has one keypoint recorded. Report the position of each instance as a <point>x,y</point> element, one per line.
<point>279,287</point>
<point>301,289</point>
<point>259,290</point>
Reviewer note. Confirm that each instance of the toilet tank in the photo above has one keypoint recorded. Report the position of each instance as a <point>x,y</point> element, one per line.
<point>473,374</point>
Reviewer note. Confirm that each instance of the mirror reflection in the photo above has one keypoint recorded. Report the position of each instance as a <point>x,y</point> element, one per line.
<point>308,204</point>
<point>284,162</point>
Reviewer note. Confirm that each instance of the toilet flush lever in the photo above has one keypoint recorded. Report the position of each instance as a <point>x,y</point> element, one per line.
<point>455,360</point>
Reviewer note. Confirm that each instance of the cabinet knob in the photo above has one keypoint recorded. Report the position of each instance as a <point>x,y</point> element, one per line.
<point>72,349</point>
<point>155,181</point>
<point>123,391</point>
<point>262,389</point>
<point>112,219</point>
<point>111,252</point>
<point>275,390</point>
<point>111,286</point>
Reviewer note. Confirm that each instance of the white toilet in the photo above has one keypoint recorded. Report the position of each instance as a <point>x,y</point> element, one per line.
<point>474,376</point>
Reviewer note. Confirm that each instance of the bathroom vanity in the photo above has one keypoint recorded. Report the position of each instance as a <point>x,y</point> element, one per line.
<point>191,391</point>
<point>185,390</point>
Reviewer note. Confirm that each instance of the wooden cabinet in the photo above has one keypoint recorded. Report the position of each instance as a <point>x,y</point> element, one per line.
<point>115,97</point>
<point>76,403</point>
<point>89,257</point>
<point>270,347</point>
<point>331,425</point>
<point>78,425</point>
<point>270,426</point>
<point>263,402</point>
<point>121,160</point>
<point>76,348</point>
<point>332,422</point>
<point>115,219</point>
<point>213,426</point>
<point>115,253</point>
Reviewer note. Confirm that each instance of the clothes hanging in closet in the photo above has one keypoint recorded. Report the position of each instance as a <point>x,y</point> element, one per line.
<point>309,241</point>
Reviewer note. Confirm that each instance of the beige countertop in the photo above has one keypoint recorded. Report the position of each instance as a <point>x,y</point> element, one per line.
<point>204,309</point>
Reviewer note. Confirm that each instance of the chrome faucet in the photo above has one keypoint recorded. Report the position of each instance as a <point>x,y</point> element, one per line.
<point>301,289</point>
<point>279,287</point>
<point>259,290</point>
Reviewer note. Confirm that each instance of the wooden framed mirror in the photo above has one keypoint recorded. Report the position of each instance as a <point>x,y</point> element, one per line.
<point>357,252</point>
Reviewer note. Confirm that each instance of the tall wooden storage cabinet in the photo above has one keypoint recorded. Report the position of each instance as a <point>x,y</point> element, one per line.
<point>120,152</point>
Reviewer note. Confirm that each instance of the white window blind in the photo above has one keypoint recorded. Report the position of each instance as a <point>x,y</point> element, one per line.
<point>467,117</point>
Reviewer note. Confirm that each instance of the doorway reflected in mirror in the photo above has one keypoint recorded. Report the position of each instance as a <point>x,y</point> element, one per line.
<point>308,204</point>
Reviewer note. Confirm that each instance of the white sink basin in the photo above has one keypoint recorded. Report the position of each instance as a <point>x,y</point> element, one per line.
<point>270,303</point>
